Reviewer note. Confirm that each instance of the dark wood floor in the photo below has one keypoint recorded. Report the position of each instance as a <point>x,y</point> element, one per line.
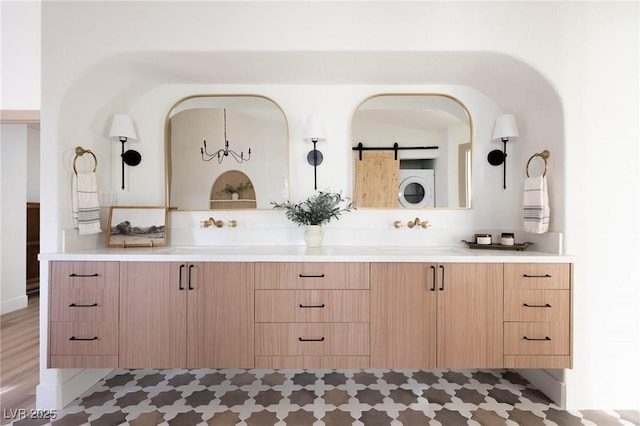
<point>19,358</point>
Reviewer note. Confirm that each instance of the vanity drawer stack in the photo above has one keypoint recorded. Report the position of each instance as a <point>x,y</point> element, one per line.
<point>537,315</point>
<point>312,315</point>
<point>83,314</point>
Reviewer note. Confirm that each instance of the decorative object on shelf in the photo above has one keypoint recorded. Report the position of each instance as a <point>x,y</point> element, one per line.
<point>416,223</point>
<point>504,129</point>
<point>85,203</point>
<point>223,152</point>
<point>315,211</point>
<point>507,239</point>
<point>314,131</point>
<point>235,191</point>
<point>483,239</point>
<point>536,210</point>
<point>122,128</point>
<point>494,246</point>
<point>137,227</point>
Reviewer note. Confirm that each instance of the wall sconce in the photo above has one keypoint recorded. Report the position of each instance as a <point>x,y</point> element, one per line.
<point>123,129</point>
<point>504,129</point>
<point>314,131</point>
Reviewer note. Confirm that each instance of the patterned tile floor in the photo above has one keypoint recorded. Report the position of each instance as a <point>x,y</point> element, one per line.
<point>321,397</point>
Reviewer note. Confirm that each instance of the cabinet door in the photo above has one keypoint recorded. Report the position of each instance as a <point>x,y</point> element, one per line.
<point>403,315</point>
<point>153,304</point>
<point>470,315</point>
<point>220,315</point>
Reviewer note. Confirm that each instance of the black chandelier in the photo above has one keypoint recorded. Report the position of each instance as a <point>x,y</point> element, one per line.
<point>223,152</point>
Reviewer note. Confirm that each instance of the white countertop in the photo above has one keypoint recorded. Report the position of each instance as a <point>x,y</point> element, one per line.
<point>456,254</point>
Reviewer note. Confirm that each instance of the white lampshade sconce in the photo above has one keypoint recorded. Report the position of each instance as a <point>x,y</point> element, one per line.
<point>504,129</point>
<point>122,128</point>
<point>314,131</point>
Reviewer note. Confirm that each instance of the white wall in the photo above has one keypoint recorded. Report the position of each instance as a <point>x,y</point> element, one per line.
<point>20,55</point>
<point>13,223</point>
<point>33,164</point>
<point>96,63</point>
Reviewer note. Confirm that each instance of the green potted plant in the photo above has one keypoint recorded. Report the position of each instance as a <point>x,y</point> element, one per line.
<point>235,191</point>
<point>315,211</point>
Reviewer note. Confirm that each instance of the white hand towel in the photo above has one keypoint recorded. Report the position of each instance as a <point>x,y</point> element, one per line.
<point>85,204</point>
<point>536,205</point>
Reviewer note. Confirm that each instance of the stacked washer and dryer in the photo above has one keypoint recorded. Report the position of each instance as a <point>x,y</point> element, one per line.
<point>417,188</point>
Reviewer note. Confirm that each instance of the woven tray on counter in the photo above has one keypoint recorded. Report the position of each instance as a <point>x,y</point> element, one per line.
<point>496,246</point>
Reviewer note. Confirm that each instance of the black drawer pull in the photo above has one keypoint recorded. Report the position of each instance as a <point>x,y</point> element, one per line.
<point>74,275</point>
<point>537,276</point>
<point>311,276</point>
<point>83,339</point>
<point>77,305</point>
<point>546,338</point>
<point>311,339</point>
<point>546,305</point>
<point>311,306</point>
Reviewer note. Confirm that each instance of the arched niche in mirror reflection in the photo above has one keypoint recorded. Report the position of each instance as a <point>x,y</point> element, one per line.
<point>253,121</point>
<point>440,122</point>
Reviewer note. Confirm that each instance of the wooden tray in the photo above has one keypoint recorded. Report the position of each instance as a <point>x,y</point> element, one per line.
<point>496,246</point>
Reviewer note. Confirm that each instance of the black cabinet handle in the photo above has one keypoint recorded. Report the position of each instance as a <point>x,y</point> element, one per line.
<point>83,339</point>
<point>311,276</point>
<point>78,305</point>
<point>311,306</point>
<point>311,339</point>
<point>536,276</point>
<point>442,283</point>
<point>433,270</point>
<point>190,268</point>
<point>546,305</point>
<point>546,338</point>
<point>180,286</point>
<point>74,275</point>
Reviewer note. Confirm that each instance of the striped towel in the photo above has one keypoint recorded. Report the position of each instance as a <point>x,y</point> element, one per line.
<point>536,205</point>
<point>85,206</point>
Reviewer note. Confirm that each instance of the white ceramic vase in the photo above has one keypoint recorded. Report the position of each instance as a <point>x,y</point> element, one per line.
<point>235,196</point>
<point>313,235</point>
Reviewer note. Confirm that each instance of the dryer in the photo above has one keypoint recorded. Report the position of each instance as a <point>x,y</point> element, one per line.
<point>417,188</point>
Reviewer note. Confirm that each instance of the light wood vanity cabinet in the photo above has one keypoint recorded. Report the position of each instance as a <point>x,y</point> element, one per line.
<point>307,315</point>
<point>427,315</point>
<point>537,314</point>
<point>83,315</point>
<point>312,315</point>
<point>186,315</point>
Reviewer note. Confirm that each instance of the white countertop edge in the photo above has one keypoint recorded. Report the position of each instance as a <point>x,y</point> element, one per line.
<point>303,254</point>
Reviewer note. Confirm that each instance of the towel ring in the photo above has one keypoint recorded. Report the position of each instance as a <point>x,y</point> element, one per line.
<point>544,155</point>
<point>79,153</point>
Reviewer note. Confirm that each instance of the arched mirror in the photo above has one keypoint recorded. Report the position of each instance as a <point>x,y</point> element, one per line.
<point>210,137</point>
<point>412,151</point>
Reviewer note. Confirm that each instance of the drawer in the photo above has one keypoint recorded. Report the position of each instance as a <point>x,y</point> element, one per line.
<point>83,338</point>
<point>83,361</point>
<point>537,276</point>
<point>312,275</point>
<point>536,338</point>
<point>316,362</point>
<point>75,275</point>
<point>84,304</point>
<point>312,339</point>
<point>312,305</point>
<point>537,305</point>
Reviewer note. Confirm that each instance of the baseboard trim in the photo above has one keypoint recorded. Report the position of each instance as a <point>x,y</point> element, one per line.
<point>58,395</point>
<point>14,304</point>
<point>547,384</point>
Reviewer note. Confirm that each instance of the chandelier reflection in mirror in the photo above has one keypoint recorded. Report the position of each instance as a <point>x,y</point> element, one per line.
<point>223,152</point>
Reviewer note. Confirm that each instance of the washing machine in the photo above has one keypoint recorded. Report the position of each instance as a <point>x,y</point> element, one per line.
<point>417,188</point>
